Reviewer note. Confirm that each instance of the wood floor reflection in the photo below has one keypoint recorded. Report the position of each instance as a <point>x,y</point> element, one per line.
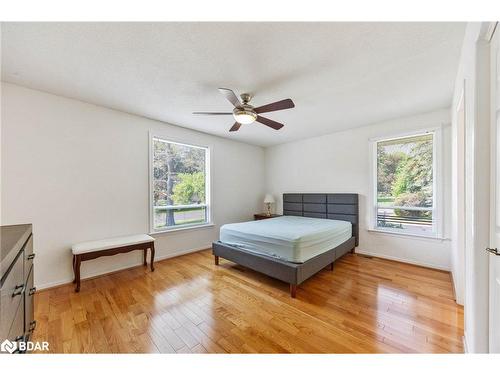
<point>189,305</point>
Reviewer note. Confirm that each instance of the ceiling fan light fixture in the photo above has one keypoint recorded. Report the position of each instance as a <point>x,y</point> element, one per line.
<point>244,116</point>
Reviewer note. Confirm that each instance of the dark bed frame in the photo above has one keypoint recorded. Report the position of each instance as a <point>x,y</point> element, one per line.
<point>327,206</point>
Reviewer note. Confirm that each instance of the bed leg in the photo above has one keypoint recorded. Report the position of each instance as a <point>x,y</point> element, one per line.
<point>293,290</point>
<point>216,259</point>
<point>331,266</point>
<point>352,250</point>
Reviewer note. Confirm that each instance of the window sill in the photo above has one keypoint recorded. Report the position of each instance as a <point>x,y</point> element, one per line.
<point>406,235</point>
<point>182,228</point>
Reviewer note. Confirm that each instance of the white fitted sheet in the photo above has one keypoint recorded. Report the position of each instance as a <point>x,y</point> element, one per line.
<point>291,238</point>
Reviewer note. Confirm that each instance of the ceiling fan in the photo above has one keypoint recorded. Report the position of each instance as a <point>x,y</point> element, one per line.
<point>245,113</point>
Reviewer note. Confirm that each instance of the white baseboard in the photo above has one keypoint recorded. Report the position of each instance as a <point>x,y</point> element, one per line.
<point>403,260</point>
<point>116,269</point>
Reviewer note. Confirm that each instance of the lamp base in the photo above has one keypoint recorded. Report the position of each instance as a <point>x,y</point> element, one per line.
<point>268,213</point>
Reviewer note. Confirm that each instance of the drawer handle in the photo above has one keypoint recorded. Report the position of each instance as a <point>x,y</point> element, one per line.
<point>32,326</point>
<point>31,256</point>
<point>17,339</point>
<point>18,292</point>
<point>32,291</point>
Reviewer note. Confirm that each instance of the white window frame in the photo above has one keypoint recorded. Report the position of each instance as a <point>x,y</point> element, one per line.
<point>207,204</point>
<point>437,183</point>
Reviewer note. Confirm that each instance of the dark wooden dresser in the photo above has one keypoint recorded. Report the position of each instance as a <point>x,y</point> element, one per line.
<point>16,284</point>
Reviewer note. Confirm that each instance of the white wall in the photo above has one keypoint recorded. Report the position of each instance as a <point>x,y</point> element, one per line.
<point>474,73</point>
<point>340,162</point>
<point>80,172</point>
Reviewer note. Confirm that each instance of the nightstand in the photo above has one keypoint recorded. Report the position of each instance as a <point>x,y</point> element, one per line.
<point>264,216</point>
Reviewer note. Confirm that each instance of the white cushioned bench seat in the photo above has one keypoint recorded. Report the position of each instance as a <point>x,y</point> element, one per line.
<point>110,243</point>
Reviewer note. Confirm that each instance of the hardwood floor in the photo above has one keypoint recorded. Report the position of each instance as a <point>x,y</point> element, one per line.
<point>189,305</point>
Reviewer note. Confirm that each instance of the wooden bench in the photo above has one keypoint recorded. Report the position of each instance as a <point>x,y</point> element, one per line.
<point>95,249</point>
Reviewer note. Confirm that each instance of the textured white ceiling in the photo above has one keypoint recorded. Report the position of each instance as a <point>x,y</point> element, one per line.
<point>340,75</point>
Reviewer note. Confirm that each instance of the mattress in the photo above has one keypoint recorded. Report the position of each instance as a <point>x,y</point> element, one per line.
<point>291,238</point>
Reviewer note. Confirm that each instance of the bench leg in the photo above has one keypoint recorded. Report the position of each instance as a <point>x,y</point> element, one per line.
<point>144,261</point>
<point>152,256</point>
<point>74,269</point>
<point>78,262</point>
<point>293,290</point>
<point>216,260</point>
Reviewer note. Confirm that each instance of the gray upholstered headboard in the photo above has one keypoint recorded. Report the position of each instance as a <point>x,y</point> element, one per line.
<point>336,206</point>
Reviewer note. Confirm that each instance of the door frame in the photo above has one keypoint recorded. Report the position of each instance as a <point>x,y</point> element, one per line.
<point>458,197</point>
<point>494,194</point>
<point>475,69</point>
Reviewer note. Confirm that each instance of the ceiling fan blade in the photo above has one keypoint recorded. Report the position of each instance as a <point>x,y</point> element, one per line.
<point>272,124</point>
<point>235,127</point>
<point>276,106</point>
<point>212,113</point>
<point>231,96</point>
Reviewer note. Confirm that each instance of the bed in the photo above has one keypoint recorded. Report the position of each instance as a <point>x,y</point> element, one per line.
<point>296,246</point>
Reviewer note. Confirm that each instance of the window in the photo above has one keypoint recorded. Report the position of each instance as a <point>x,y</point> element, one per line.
<point>180,185</point>
<point>405,185</point>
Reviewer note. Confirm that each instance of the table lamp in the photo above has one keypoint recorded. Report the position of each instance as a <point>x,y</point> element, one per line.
<point>268,200</point>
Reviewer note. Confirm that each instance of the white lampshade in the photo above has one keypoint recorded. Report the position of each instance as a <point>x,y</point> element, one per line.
<point>269,199</point>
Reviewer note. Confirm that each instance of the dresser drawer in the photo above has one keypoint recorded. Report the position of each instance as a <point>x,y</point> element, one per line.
<point>16,332</point>
<point>11,294</point>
